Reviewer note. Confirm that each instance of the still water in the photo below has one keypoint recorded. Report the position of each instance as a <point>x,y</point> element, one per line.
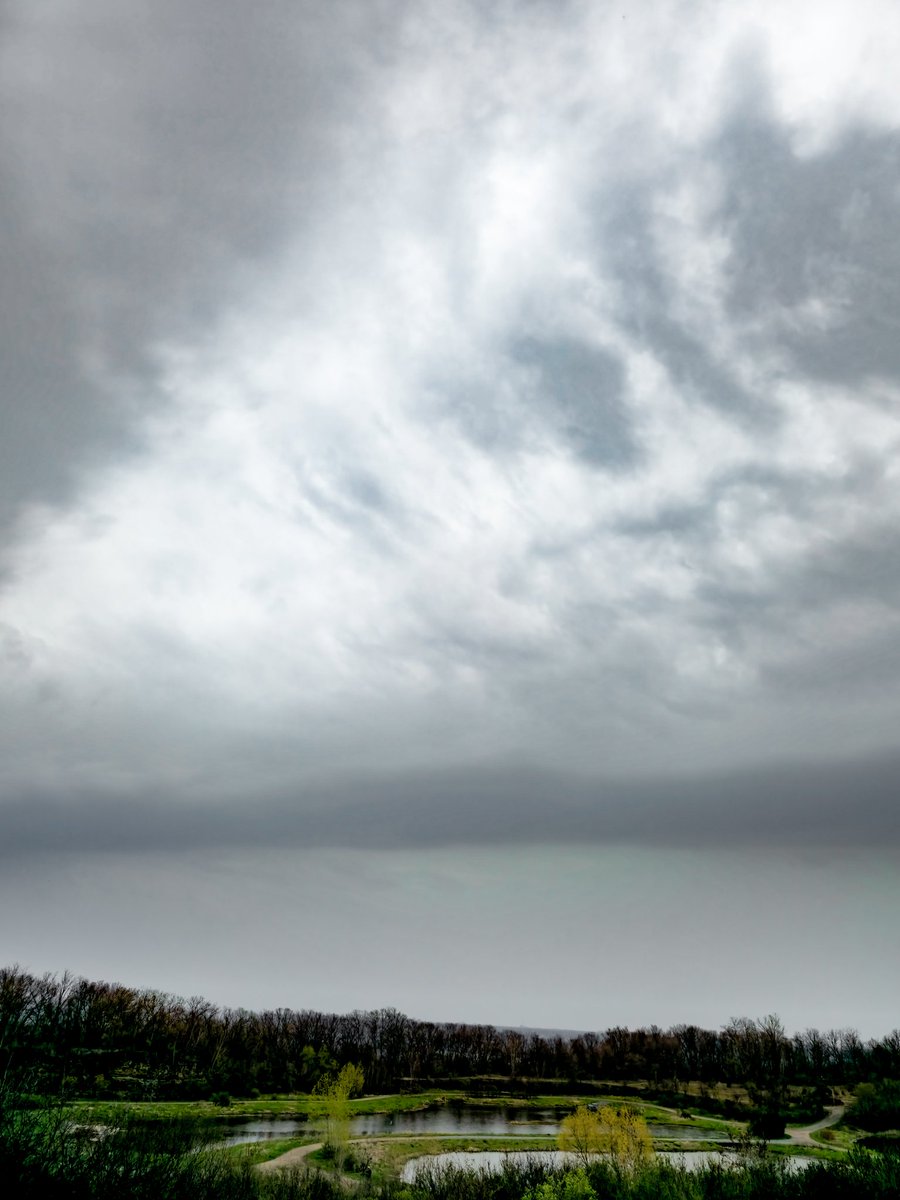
<point>439,1121</point>
<point>462,1119</point>
<point>445,1121</point>
<point>264,1129</point>
<point>493,1160</point>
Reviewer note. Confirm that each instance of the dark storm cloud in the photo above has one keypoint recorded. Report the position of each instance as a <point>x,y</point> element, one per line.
<point>545,385</point>
<point>832,807</point>
<point>581,389</point>
<point>649,311</point>
<point>811,229</point>
<point>850,579</point>
<point>865,567</point>
<point>786,805</point>
<point>868,666</point>
<point>862,568</point>
<point>153,159</point>
<point>819,227</point>
<point>772,488</point>
<point>51,413</point>
<point>862,565</point>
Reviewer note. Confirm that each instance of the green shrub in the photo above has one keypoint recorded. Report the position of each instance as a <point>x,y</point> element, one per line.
<point>877,1106</point>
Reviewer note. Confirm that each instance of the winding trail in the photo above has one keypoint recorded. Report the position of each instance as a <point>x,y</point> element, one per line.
<point>290,1158</point>
<point>802,1137</point>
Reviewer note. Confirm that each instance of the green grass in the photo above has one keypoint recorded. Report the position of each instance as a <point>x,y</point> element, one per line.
<point>841,1138</point>
<point>822,1152</point>
<point>552,1101</point>
<point>674,1146</point>
<point>297,1105</point>
<point>304,1105</point>
<point>389,1154</point>
<point>669,1116</point>
<point>648,1109</point>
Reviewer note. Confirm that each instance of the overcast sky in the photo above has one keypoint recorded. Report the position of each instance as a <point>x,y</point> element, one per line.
<point>450,505</point>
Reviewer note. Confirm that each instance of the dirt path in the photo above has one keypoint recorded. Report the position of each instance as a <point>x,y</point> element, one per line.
<point>801,1137</point>
<point>290,1158</point>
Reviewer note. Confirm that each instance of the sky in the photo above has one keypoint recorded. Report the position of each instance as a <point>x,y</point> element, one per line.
<point>450,505</point>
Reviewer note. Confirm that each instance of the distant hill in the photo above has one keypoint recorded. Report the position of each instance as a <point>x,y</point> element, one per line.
<point>549,1034</point>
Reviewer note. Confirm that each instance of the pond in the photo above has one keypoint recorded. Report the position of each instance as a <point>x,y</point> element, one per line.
<point>463,1119</point>
<point>447,1121</point>
<point>493,1160</point>
<point>439,1121</point>
<point>263,1129</point>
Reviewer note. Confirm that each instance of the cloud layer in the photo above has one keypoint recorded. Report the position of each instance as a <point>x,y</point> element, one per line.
<point>449,423</point>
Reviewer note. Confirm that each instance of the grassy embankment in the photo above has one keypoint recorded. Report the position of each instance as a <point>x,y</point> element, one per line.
<point>299,1106</point>
<point>836,1137</point>
<point>304,1106</point>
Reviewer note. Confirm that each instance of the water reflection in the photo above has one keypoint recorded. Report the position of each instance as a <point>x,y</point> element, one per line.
<point>447,1121</point>
<point>264,1129</point>
<point>462,1119</point>
<point>491,1161</point>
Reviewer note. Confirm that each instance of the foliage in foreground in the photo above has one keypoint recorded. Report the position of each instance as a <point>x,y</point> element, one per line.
<point>877,1106</point>
<point>620,1132</point>
<point>44,1156</point>
<point>861,1177</point>
<point>334,1092</point>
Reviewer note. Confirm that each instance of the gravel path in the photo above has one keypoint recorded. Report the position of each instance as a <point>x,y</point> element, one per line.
<point>290,1158</point>
<point>801,1137</point>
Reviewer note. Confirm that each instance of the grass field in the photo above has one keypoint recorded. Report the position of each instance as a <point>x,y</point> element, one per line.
<point>299,1106</point>
<point>302,1106</point>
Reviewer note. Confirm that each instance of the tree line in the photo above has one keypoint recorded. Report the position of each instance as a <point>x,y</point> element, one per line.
<point>68,1035</point>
